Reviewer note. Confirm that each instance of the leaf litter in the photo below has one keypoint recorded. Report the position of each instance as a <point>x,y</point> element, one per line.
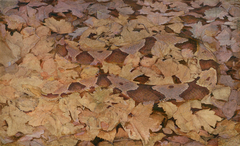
<point>115,72</point>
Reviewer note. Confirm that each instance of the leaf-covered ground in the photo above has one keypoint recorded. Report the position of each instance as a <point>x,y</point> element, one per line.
<point>119,72</point>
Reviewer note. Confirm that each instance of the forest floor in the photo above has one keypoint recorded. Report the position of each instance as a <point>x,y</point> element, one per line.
<point>119,72</point>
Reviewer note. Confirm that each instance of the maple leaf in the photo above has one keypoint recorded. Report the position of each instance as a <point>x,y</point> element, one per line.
<point>187,121</point>
<point>16,120</point>
<point>60,27</point>
<point>139,124</point>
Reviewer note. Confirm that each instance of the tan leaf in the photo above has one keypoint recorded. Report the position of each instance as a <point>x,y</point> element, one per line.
<point>6,93</point>
<point>16,120</point>
<point>109,136</point>
<point>208,79</point>
<point>226,129</point>
<point>187,121</point>
<point>176,27</point>
<point>221,93</point>
<point>60,27</point>
<point>48,114</point>
<point>71,104</point>
<point>89,72</point>
<point>65,141</point>
<point>169,108</point>
<point>6,55</point>
<point>168,67</point>
<point>128,73</point>
<point>45,45</point>
<point>140,122</point>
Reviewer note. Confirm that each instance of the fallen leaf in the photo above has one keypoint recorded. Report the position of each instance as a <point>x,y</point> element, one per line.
<point>16,120</point>
<point>226,129</point>
<point>109,136</point>
<point>71,104</point>
<point>169,108</point>
<point>221,93</point>
<point>60,27</point>
<point>208,79</point>
<point>140,123</point>
<point>6,55</point>
<point>187,121</point>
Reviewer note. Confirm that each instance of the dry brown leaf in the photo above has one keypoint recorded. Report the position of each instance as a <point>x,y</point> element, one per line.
<point>230,141</point>
<point>226,129</point>
<point>47,113</point>
<point>15,22</point>
<point>26,103</point>
<point>140,123</point>
<point>129,73</point>
<point>16,120</point>
<point>208,79</point>
<point>221,93</point>
<point>6,55</point>
<point>176,27</point>
<point>109,136</point>
<point>187,121</point>
<point>61,27</point>
<point>65,141</point>
<point>168,67</point>
<point>44,45</point>
<point>71,104</point>
<point>169,108</point>
<point>6,93</point>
